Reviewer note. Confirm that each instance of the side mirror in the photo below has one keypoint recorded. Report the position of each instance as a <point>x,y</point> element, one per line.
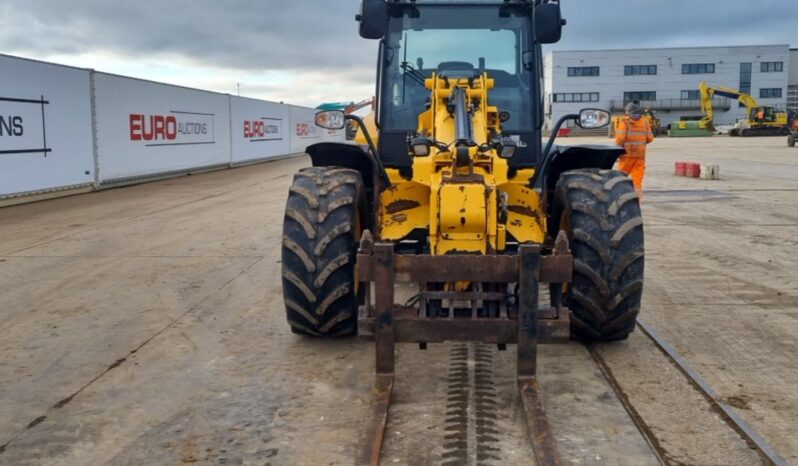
<point>331,119</point>
<point>373,19</point>
<point>591,118</point>
<point>548,23</point>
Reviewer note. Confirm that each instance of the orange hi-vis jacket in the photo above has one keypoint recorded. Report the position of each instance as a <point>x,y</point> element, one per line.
<point>633,135</point>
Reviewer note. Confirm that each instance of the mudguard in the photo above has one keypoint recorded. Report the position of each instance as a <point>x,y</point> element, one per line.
<point>564,158</point>
<point>356,157</point>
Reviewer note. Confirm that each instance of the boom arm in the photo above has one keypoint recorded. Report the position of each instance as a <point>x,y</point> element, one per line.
<point>353,107</point>
<point>709,92</point>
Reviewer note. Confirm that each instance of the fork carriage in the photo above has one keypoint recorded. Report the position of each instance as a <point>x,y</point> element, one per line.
<point>518,321</point>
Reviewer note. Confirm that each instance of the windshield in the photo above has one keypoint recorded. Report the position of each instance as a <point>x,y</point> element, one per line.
<point>431,39</point>
<point>430,48</point>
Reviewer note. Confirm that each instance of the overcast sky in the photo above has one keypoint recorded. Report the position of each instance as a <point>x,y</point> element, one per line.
<point>308,51</point>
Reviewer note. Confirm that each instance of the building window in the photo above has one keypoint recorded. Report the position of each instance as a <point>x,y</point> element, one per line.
<point>770,93</point>
<point>633,70</point>
<point>583,71</point>
<point>698,68</point>
<point>792,98</point>
<point>745,79</point>
<point>772,66</point>
<point>639,95</point>
<point>691,95</point>
<point>577,97</point>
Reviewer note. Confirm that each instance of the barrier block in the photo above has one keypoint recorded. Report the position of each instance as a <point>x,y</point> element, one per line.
<point>680,168</point>
<point>692,170</point>
<point>710,172</point>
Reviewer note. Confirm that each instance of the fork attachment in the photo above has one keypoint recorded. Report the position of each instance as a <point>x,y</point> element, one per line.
<point>518,320</point>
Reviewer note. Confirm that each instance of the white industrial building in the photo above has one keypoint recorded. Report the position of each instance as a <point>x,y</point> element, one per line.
<point>666,80</point>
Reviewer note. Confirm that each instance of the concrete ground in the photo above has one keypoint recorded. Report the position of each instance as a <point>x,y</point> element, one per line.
<point>144,325</point>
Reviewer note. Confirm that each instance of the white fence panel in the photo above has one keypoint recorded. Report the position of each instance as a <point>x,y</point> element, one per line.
<point>333,135</point>
<point>260,129</point>
<point>45,127</point>
<point>304,131</point>
<point>146,128</point>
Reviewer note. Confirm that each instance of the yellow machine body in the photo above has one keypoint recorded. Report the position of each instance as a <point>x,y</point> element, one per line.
<point>465,209</point>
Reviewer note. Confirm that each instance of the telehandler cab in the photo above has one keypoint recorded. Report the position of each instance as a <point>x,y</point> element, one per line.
<point>452,188</point>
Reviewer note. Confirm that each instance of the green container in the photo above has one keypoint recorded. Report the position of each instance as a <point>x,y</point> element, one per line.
<point>692,130</point>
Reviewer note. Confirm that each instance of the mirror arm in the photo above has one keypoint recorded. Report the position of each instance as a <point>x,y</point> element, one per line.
<point>553,136</point>
<point>372,148</point>
<point>544,165</point>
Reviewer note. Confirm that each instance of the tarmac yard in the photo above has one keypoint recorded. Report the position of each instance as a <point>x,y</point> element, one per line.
<point>145,325</point>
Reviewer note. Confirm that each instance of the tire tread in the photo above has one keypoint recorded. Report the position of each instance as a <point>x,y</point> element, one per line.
<point>318,251</point>
<point>606,232</point>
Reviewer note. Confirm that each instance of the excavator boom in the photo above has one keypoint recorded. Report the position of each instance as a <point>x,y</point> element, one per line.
<point>708,92</point>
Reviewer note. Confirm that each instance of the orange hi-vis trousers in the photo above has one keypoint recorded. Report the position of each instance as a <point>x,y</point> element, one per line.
<point>635,167</point>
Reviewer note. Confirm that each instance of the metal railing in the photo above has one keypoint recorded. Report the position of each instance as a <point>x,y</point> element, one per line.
<point>674,104</point>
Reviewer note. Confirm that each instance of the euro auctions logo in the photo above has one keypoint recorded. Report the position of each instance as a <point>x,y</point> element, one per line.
<point>263,129</point>
<point>305,130</point>
<point>173,129</point>
<point>23,126</point>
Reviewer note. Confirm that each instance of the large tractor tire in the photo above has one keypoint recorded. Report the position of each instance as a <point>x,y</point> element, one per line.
<point>601,214</point>
<point>321,230</point>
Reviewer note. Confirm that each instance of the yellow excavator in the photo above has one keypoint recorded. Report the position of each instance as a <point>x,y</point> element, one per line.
<point>761,120</point>
<point>453,192</point>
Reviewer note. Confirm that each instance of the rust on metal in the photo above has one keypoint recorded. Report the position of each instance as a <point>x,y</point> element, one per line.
<point>383,269</point>
<point>523,210</point>
<point>383,329</point>
<point>391,323</point>
<point>543,443</point>
<point>526,211</point>
<point>529,256</point>
<point>375,430</point>
<point>366,243</point>
<point>448,268</point>
<point>399,218</point>
<point>561,245</point>
<point>400,205</point>
<point>556,269</point>
<point>460,178</point>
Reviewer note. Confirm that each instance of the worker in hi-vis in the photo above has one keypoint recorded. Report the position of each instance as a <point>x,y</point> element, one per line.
<point>633,134</point>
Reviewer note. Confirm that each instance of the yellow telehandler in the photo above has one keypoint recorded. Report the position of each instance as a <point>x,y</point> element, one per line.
<point>452,189</point>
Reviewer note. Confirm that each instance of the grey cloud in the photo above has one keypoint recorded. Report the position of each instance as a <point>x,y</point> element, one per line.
<point>238,34</point>
<point>676,23</point>
<point>322,34</point>
<point>243,37</point>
